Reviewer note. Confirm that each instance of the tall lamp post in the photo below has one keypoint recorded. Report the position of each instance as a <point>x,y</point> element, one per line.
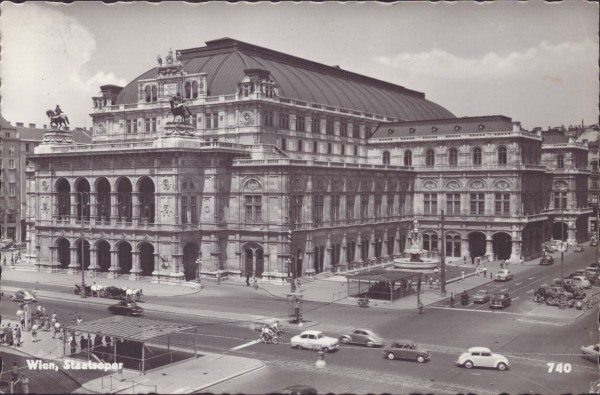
<point>83,205</point>
<point>443,259</point>
<point>199,268</point>
<point>563,244</point>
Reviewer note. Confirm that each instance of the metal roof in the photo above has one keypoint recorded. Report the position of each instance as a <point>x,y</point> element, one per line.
<point>379,274</point>
<point>225,60</point>
<point>130,328</point>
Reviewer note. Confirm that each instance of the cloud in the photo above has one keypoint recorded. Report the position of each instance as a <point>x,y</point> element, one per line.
<point>550,84</point>
<point>44,58</point>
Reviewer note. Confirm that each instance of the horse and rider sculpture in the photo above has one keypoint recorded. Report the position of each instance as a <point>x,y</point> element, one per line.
<point>58,118</point>
<point>178,109</point>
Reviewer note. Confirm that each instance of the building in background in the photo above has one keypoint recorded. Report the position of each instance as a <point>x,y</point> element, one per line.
<point>276,143</point>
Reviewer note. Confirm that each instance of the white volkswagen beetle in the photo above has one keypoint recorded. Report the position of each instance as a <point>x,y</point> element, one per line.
<point>314,340</point>
<point>482,357</point>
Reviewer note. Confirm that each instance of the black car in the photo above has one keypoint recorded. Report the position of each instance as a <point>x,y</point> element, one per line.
<point>126,308</point>
<point>547,260</point>
<point>500,301</point>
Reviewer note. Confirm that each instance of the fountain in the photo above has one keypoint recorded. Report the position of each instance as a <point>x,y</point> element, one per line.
<point>415,261</point>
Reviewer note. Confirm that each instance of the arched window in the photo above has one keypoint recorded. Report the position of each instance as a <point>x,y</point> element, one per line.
<point>195,89</point>
<point>430,158</point>
<point>560,162</point>
<point>386,157</point>
<point>154,93</point>
<point>502,156</point>
<point>408,158</point>
<point>430,242</point>
<point>188,90</point>
<point>477,156</point>
<point>147,92</point>
<point>453,157</point>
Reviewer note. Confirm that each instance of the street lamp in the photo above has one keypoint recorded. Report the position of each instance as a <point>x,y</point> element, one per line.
<point>82,204</point>
<point>198,268</point>
<point>563,244</point>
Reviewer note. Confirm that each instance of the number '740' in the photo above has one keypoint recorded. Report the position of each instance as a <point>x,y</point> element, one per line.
<point>559,367</point>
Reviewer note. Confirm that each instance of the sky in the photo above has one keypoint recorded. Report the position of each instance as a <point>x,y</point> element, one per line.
<point>533,61</point>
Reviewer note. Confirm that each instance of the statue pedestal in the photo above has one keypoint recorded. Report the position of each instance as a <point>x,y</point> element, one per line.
<point>178,129</point>
<point>56,136</point>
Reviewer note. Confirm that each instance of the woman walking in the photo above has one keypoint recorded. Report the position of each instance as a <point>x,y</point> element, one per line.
<point>18,336</point>
<point>34,330</point>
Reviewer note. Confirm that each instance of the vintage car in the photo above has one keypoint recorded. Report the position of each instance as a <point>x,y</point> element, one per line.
<point>576,290</point>
<point>581,281</point>
<point>578,248</point>
<point>591,352</point>
<point>503,275</point>
<point>406,349</point>
<point>23,295</point>
<point>500,301</point>
<point>482,357</point>
<point>126,308</point>
<point>314,340</point>
<point>482,296</point>
<point>547,260</point>
<point>362,336</point>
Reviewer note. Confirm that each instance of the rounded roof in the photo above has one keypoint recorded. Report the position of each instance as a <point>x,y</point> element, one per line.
<point>225,60</point>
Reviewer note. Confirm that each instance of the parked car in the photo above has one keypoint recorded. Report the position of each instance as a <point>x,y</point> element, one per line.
<point>503,275</point>
<point>482,357</point>
<point>582,281</point>
<point>126,308</point>
<point>545,292</point>
<point>576,290</point>
<point>578,248</point>
<point>314,340</point>
<point>591,352</point>
<point>500,301</point>
<point>482,296</point>
<point>362,336</point>
<point>406,349</point>
<point>594,242</point>
<point>547,260</point>
<point>6,244</point>
<point>23,295</point>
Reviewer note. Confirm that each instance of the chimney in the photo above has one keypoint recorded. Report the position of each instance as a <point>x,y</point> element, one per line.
<point>19,124</point>
<point>32,125</point>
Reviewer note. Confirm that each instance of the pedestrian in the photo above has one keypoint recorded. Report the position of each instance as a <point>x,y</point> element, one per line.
<point>477,270</point>
<point>83,343</point>
<point>465,259</point>
<point>18,336</point>
<point>79,320</point>
<point>8,335</point>
<point>47,323</point>
<point>478,260</point>
<point>14,379</point>
<point>472,260</point>
<point>218,278</point>
<point>34,330</point>
<point>2,334</point>
<point>97,341</point>
<point>4,261</point>
<point>462,275</point>
<point>451,299</point>
<point>54,317</point>
<point>484,271</point>
<point>437,283</point>
<point>248,279</point>
<point>507,262</point>
<point>491,275</point>
<point>108,341</point>
<point>56,330</point>
<point>501,264</point>
<point>73,344</point>
<point>254,282</point>
<point>22,320</point>
<point>24,384</point>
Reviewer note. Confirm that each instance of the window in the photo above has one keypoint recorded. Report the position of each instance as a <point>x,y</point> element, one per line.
<point>300,123</point>
<point>318,209</point>
<point>11,177</point>
<point>268,118</point>
<point>283,144</point>
<point>212,120</point>
<point>329,148</point>
<point>477,203</point>
<point>502,156</point>
<point>430,203</point>
<point>560,200</point>
<point>386,157</point>
<point>154,93</point>
<point>27,148</point>
<point>184,207</point>
<point>430,242</point>
<point>12,190</point>
<point>253,204</point>
<point>150,125</point>
<point>315,126</point>
<point>477,156</point>
<point>560,162</point>
<point>364,206</point>
<point>408,158</point>
<point>188,90</point>
<point>350,206</point>
<point>502,203</point>
<point>284,120</point>
<point>296,209</point>
<point>147,91</point>
<point>343,150</point>
<point>390,205</point>
<point>377,208</point>
<point>356,150</point>
<point>315,147</point>
<point>300,148</point>
<point>453,157</point>
<point>401,203</point>
<point>131,126</point>
<point>194,216</point>
<point>453,203</point>
<point>429,158</point>
<point>11,150</point>
<point>194,89</point>
<point>11,164</point>
<point>343,129</point>
<point>355,131</point>
<point>329,127</point>
<point>335,207</point>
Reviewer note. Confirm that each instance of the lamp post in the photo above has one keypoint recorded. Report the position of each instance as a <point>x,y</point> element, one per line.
<point>198,269</point>
<point>443,259</point>
<point>82,204</point>
<point>563,244</point>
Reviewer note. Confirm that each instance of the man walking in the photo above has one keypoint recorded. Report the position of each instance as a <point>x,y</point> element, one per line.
<point>462,275</point>
<point>484,271</point>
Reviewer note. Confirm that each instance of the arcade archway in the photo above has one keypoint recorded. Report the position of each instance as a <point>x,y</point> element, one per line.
<point>147,259</point>
<point>477,244</point>
<point>560,231</point>
<point>103,256</point>
<point>86,253</point>
<point>64,252</point>
<point>254,262</point>
<point>502,244</point>
<point>191,253</point>
<point>125,257</point>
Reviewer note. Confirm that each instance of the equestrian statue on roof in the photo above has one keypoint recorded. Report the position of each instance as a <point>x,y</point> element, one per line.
<point>58,118</point>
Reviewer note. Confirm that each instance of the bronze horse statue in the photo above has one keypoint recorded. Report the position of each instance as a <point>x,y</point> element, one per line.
<point>179,111</point>
<point>57,120</point>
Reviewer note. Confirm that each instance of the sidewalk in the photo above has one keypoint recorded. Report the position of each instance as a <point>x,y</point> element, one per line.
<point>188,376</point>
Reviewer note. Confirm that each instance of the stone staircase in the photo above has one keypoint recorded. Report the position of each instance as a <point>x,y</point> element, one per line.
<point>320,276</point>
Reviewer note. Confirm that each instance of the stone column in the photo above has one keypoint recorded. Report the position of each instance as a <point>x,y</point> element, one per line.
<point>93,205</point>
<point>113,270</point>
<point>397,242</point>
<point>74,205</point>
<point>135,266</point>
<point>114,214</point>
<point>515,254</point>
<point>53,261</point>
<point>384,246</point>
<point>93,260</point>
<point>465,248</point>
<point>135,206</point>
<point>489,248</point>
<point>372,245</point>
<point>73,265</point>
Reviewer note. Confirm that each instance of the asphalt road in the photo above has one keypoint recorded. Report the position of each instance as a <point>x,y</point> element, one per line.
<point>530,346</point>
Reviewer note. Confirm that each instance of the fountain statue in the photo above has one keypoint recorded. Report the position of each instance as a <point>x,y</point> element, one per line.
<point>415,261</point>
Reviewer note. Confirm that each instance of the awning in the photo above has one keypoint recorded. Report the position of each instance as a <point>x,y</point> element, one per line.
<point>379,274</point>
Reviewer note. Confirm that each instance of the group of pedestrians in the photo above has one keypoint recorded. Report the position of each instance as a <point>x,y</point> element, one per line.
<point>10,336</point>
<point>19,383</point>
